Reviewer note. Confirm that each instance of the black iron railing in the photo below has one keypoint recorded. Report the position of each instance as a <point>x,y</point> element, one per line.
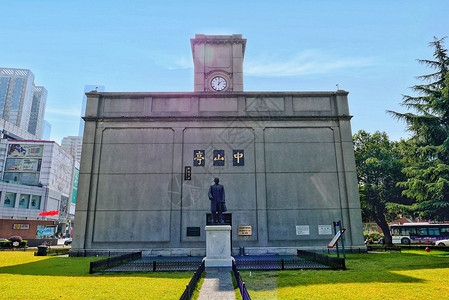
<point>240,283</point>
<point>332,262</point>
<point>110,262</point>
<point>155,266</point>
<point>278,264</point>
<point>383,248</point>
<point>190,287</point>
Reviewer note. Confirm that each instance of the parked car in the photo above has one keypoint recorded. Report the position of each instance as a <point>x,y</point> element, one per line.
<point>443,243</point>
<point>3,240</point>
<point>68,241</point>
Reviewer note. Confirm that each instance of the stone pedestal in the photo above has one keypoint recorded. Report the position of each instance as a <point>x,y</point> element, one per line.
<point>218,246</point>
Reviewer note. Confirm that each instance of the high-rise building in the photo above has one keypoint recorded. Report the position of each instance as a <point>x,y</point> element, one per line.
<point>21,102</point>
<point>36,125</point>
<point>73,145</point>
<point>87,88</point>
<point>47,131</point>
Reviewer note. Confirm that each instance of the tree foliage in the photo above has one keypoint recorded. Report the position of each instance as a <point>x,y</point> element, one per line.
<point>428,172</point>
<point>379,169</point>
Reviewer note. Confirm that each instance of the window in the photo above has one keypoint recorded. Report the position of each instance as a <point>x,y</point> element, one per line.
<point>444,230</point>
<point>434,231</point>
<point>408,231</point>
<point>23,178</point>
<point>35,202</point>
<point>421,231</point>
<point>10,200</point>
<point>396,231</point>
<point>24,201</point>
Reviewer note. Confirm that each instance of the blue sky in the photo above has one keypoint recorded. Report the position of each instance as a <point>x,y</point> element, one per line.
<point>369,48</point>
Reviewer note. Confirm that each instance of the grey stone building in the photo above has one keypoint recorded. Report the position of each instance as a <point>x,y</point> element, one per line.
<point>285,159</point>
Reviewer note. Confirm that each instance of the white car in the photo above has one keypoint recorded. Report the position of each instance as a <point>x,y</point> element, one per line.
<point>443,243</point>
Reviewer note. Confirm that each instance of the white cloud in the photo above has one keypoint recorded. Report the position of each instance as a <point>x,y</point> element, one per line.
<point>64,112</point>
<point>181,63</point>
<point>305,63</point>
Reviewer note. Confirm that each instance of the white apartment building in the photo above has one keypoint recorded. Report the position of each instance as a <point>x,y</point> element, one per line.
<point>37,176</point>
<point>73,145</point>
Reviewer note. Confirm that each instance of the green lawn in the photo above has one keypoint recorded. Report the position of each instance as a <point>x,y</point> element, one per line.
<point>25,276</point>
<point>407,275</point>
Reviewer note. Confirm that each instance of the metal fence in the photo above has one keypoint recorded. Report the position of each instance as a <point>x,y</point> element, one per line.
<point>155,266</point>
<point>279,264</point>
<point>240,283</point>
<point>335,263</point>
<point>99,265</point>
<point>190,288</point>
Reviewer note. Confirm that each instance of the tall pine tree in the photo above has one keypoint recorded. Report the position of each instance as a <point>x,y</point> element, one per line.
<point>428,175</point>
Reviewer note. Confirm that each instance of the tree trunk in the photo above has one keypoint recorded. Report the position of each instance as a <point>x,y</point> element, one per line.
<point>382,222</point>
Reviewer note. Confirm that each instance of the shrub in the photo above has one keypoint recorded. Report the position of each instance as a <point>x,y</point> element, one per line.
<point>374,236</point>
<point>5,244</point>
<point>9,244</point>
<point>15,238</point>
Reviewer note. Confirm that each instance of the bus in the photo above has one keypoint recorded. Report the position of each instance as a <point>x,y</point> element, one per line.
<point>419,233</point>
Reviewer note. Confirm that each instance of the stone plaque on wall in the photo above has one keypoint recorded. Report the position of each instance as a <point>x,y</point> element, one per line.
<point>193,231</point>
<point>324,229</point>
<point>302,230</point>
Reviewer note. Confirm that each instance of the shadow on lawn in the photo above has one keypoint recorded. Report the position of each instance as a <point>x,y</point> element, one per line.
<point>77,266</point>
<point>362,268</point>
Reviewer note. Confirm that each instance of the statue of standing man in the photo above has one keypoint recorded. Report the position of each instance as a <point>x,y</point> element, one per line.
<point>217,204</point>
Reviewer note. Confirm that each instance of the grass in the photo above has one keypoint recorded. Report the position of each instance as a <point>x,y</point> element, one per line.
<point>196,292</point>
<point>412,274</point>
<point>25,276</point>
<point>238,296</point>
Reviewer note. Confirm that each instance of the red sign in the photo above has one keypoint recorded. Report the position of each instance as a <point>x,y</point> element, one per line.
<point>49,213</point>
<point>336,238</point>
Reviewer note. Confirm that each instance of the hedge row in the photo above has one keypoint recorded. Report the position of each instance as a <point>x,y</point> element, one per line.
<point>9,244</point>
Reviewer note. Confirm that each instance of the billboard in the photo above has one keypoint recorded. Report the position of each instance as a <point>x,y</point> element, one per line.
<point>25,151</point>
<point>76,176</point>
<point>23,165</point>
<point>61,171</point>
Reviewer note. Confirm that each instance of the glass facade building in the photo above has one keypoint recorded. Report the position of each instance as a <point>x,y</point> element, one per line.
<point>21,102</point>
<point>36,125</point>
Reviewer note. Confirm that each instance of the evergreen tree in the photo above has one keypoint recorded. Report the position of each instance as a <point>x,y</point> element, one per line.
<point>428,174</point>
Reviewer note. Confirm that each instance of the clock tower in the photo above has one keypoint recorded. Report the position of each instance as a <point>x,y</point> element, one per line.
<point>218,62</point>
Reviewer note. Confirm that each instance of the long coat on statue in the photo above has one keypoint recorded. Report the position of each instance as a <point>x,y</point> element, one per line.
<point>217,198</point>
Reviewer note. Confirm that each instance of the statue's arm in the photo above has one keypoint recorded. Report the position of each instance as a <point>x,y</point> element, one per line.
<point>223,195</point>
<point>210,193</point>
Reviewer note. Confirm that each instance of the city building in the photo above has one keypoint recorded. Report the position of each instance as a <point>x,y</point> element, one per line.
<point>36,125</point>
<point>11,131</point>
<point>286,161</point>
<point>21,102</point>
<point>37,176</point>
<point>87,88</point>
<point>73,145</point>
<point>46,135</point>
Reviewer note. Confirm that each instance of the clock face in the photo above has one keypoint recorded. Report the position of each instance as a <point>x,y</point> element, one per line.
<point>218,83</point>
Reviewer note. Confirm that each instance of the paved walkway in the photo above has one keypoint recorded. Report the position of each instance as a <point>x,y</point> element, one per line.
<point>217,285</point>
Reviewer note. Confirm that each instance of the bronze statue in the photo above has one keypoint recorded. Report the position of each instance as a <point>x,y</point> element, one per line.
<point>217,204</point>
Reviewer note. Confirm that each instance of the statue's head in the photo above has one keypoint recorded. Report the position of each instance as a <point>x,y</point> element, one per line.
<point>216,180</point>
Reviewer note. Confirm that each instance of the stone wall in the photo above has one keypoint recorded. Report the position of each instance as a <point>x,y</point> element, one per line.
<point>298,169</point>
